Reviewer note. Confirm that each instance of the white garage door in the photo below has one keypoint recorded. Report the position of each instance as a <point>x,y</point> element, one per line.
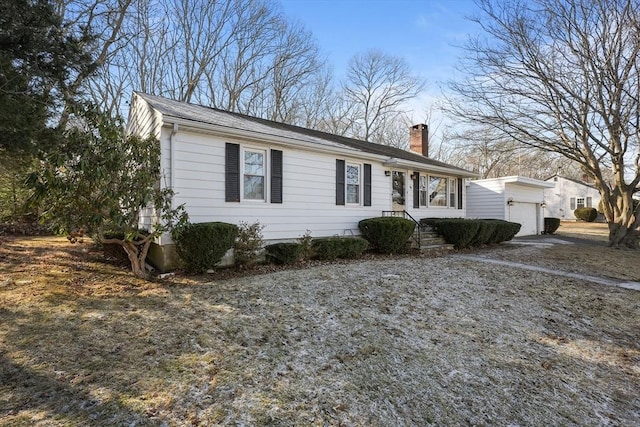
<point>525,214</point>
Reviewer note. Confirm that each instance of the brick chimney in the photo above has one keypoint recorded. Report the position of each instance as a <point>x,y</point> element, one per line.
<point>419,139</point>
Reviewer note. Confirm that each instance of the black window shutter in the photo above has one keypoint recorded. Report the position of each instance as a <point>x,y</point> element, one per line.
<point>276,176</point>
<point>232,173</point>
<point>340,171</point>
<point>367,184</point>
<point>459,192</point>
<point>416,190</point>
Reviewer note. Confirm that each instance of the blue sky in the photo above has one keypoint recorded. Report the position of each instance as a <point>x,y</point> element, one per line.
<point>423,32</point>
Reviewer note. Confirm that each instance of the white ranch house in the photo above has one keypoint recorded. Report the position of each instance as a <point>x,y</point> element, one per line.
<point>231,167</point>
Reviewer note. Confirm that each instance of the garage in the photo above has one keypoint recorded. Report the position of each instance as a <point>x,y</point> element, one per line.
<point>525,214</point>
<point>511,198</point>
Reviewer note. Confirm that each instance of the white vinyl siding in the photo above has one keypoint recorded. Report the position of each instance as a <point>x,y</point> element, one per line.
<point>308,186</point>
<point>561,200</point>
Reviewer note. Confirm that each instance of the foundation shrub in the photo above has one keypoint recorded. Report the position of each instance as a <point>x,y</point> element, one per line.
<point>284,253</point>
<point>504,231</point>
<point>387,235</point>
<point>331,248</point>
<point>486,228</point>
<point>586,214</point>
<point>459,232</point>
<point>551,225</point>
<point>202,245</point>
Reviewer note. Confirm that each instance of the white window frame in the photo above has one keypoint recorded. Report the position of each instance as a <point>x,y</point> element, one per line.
<point>423,192</point>
<point>580,204</point>
<point>264,175</point>
<point>346,183</point>
<point>453,192</point>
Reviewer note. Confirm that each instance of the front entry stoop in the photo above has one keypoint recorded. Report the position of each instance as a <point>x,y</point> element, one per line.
<point>429,240</point>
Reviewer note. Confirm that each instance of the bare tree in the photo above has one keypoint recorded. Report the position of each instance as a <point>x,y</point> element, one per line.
<point>493,155</point>
<point>379,86</point>
<point>564,76</point>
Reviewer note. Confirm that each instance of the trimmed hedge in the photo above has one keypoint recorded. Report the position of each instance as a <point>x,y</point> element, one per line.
<point>586,214</point>
<point>486,230</point>
<point>504,231</point>
<point>387,235</point>
<point>202,245</point>
<point>464,233</point>
<point>551,225</point>
<point>459,232</point>
<point>284,253</point>
<point>331,248</point>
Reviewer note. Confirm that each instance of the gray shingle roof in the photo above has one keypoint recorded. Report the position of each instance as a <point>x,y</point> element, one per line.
<point>214,116</point>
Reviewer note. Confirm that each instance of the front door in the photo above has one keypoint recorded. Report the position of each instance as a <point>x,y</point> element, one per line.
<point>398,191</point>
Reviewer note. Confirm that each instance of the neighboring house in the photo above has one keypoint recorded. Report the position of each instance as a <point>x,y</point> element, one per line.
<point>568,195</point>
<point>235,168</point>
<point>512,198</point>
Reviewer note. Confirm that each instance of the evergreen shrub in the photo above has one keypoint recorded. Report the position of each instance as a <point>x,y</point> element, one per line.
<point>284,253</point>
<point>505,230</point>
<point>459,232</point>
<point>202,245</point>
<point>486,228</point>
<point>586,214</point>
<point>387,235</point>
<point>330,248</point>
<point>551,225</point>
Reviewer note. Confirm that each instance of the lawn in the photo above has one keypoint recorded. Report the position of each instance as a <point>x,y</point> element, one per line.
<point>376,342</point>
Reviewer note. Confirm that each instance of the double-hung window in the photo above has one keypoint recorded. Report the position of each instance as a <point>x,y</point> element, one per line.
<point>453,197</point>
<point>423,190</point>
<point>353,184</point>
<point>254,175</point>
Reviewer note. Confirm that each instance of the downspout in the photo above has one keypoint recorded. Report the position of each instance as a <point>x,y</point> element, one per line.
<point>172,159</point>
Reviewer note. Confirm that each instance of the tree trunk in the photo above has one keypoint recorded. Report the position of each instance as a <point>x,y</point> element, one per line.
<point>622,236</point>
<point>137,262</point>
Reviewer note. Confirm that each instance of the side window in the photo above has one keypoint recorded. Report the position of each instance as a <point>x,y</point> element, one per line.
<point>254,175</point>
<point>353,184</point>
<point>423,190</point>
<point>452,193</point>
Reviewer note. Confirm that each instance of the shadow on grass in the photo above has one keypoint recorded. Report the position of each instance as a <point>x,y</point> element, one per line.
<point>27,395</point>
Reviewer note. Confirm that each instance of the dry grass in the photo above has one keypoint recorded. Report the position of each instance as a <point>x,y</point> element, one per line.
<point>389,341</point>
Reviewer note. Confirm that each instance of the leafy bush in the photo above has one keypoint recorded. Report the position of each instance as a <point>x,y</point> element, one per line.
<point>306,245</point>
<point>284,253</point>
<point>551,225</point>
<point>247,245</point>
<point>331,248</point>
<point>586,214</point>
<point>387,234</point>
<point>505,230</point>
<point>202,245</point>
<point>486,228</point>
<point>458,232</point>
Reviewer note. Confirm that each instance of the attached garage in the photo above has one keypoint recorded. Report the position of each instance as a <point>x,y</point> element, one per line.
<point>512,198</point>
